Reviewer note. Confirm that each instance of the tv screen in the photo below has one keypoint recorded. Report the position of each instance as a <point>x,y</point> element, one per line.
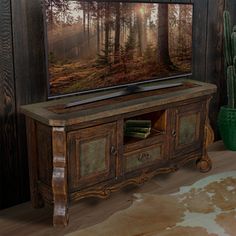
<point>95,45</point>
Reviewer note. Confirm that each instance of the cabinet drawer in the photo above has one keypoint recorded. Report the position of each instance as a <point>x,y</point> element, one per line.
<point>140,158</point>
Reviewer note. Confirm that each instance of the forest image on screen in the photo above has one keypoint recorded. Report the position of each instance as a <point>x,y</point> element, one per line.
<point>95,44</point>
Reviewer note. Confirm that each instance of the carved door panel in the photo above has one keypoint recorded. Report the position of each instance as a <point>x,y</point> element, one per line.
<point>92,154</point>
<point>188,128</point>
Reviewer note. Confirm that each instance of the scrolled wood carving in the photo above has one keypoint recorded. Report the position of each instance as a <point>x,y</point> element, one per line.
<point>105,191</point>
<point>204,164</point>
<point>209,133</point>
<point>59,178</point>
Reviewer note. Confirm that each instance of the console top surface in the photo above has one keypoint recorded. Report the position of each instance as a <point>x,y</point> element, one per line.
<point>58,113</point>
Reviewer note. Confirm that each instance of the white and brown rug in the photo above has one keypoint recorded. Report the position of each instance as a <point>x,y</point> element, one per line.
<point>206,208</point>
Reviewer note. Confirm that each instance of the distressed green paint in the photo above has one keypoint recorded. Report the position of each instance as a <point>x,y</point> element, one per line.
<point>92,157</point>
<point>134,161</point>
<point>187,129</point>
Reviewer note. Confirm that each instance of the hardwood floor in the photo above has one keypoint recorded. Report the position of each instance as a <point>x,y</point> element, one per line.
<point>23,220</point>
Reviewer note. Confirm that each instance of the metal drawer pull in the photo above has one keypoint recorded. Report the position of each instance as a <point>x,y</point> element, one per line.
<point>173,133</point>
<point>113,151</point>
<point>144,157</point>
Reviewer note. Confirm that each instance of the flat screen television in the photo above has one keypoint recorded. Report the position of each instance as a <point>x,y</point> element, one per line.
<point>98,45</point>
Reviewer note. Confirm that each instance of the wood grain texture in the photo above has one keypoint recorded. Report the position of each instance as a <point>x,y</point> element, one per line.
<point>44,152</point>
<point>85,160</point>
<point>41,112</point>
<point>230,5</point>
<point>184,112</point>
<point>9,162</point>
<point>22,81</point>
<point>215,58</point>
<point>90,156</point>
<point>34,166</point>
<point>204,164</point>
<point>59,177</point>
<point>29,72</point>
<point>105,191</point>
<point>200,17</point>
<point>23,220</point>
<point>25,82</point>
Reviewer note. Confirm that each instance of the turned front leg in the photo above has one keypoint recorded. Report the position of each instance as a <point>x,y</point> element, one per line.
<point>59,178</point>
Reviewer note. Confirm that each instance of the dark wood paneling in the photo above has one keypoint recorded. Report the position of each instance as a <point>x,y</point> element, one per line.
<point>30,82</point>
<point>230,5</point>
<point>9,168</point>
<point>199,39</point>
<point>22,81</point>
<point>214,56</point>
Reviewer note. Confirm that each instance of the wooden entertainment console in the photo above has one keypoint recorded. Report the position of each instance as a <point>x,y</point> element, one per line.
<point>81,151</point>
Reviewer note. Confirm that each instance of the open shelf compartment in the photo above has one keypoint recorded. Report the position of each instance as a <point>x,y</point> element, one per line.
<point>158,128</point>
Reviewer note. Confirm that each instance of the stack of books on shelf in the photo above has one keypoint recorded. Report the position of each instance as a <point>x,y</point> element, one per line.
<point>138,128</point>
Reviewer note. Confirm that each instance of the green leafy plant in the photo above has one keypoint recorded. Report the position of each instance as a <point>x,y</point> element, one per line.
<point>230,58</point>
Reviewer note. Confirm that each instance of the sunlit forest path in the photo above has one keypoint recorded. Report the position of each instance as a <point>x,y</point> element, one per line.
<point>96,44</point>
<point>82,75</point>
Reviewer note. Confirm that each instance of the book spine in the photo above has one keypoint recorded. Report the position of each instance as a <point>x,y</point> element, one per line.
<point>137,135</point>
<point>138,123</point>
<point>137,129</point>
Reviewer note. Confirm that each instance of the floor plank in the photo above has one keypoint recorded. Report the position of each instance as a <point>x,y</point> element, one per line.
<point>24,220</point>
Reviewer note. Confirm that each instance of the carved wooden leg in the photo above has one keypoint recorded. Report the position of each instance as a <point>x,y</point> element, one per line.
<point>36,198</point>
<point>204,164</point>
<point>59,178</point>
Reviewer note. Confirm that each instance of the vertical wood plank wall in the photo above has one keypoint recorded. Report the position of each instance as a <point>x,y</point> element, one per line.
<point>214,57</point>
<point>22,78</point>
<point>9,162</point>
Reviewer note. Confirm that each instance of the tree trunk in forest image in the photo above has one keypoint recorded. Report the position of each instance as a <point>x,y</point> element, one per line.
<point>84,18</point>
<point>139,30</point>
<point>144,32</point>
<point>131,41</point>
<point>98,28</point>
<point>51,15</point>
<point>102,30</point>
<point>88,27</point>
<point>117,34</point>
<point>107,29</point>
<point>184,41</point>
<point>181,36</point>
<point>163,57</point>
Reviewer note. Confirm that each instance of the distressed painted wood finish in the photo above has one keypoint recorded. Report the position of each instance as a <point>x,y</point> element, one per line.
<point>144,157</point>
<point>44,151</point>
<point>92,154</point>
<point>43,113</point>
<point>94,159</point>
<point>204,164</point>
<point>21,23</point>
<point>59,177</point>
<point>188,128</point>
<point>87,150</point>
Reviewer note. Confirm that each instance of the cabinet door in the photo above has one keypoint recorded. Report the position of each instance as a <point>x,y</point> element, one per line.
<point>92,154</point>
<point>188,128</point>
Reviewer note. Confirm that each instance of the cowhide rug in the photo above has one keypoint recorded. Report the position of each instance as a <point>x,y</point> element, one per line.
<point>206,208</point>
